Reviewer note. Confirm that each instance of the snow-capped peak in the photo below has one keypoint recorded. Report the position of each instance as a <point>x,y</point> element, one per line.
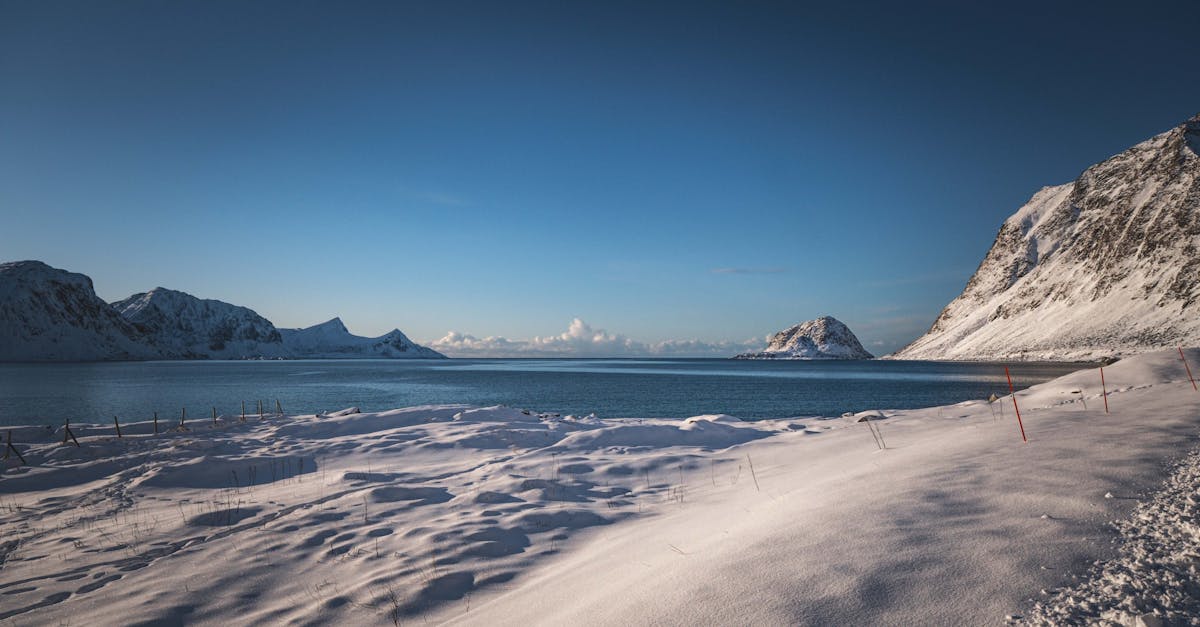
<point>331,340</point>
<point>196,327</point>
<point>823,338</point>
<point>333,327</point>
<point>47,314</point>
<point>19,273</point>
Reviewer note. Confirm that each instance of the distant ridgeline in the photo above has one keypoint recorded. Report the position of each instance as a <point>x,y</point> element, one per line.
<point>1106,265</point>
<point>47,314</point>
<point>823,338</point>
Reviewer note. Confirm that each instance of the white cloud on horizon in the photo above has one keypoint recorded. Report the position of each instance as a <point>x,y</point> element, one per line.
<point>582,340</point>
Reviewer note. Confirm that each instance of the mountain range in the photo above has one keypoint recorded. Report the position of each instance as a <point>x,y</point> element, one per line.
<point>47,314</point>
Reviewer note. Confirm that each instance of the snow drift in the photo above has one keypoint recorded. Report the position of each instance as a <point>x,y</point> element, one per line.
<point>497,515</point>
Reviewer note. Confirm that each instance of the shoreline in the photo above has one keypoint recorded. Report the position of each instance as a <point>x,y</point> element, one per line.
<point>48,394</point>
<point>494,515</point>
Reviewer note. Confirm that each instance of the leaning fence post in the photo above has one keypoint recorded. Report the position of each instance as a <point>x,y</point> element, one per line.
<point>13,449</point>
<point>1104,386</point>
<point>1015,407</point>
<point>156,422</point>
<point>882,444</point>
<point>117,425</point>
<point>1189,368</point>
<point>67,433</point>
<point>876,439</point>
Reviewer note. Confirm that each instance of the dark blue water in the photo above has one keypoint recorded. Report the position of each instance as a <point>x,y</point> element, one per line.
<point>95,392</point>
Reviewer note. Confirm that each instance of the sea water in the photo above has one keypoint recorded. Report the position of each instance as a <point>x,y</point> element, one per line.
<point>610,388</point>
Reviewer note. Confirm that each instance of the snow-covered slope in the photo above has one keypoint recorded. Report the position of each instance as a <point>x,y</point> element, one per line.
<point>47,314</point>
<point>201,328</point>
<point>823,338</point>
<point>1106,265</point>
<point>331,340</point>
<point>496,516</point>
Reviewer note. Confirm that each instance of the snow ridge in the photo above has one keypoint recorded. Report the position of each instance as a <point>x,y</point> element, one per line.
<point>1106,265</point>
<point>48,314</point>
<point>823,338</point>
<point>201,328</point>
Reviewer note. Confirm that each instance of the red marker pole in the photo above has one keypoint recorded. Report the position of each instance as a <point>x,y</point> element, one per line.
<point>1189,368</point>
<point>1018,409</point>
<point>1105,388</point>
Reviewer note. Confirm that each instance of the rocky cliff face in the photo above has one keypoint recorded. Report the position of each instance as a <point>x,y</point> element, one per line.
<point>823,338</point>
<point>47,314</point>
<point>200,328</point>
<point>1106,265</point>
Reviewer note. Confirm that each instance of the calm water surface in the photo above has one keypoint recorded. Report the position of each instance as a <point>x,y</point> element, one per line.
<point>94,392</point>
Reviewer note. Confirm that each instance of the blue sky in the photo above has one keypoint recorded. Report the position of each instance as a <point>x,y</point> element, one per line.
<point>603,177</point>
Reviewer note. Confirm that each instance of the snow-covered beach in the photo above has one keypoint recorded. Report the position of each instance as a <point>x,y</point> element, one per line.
<point>507,516</point>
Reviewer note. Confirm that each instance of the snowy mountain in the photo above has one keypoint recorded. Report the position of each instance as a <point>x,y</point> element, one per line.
<point>1106,265</point>
<point>192,327</point>
<point>47,314</point>
<point>331,340</point>
<point>202,328</point>
<point>823,338</point>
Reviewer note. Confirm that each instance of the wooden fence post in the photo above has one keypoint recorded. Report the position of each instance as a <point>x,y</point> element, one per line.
<point>1189,369</point>
<point>67,433</point>
<point>14,450</point>
<point>1104,386</point>
<point>1015,407</point>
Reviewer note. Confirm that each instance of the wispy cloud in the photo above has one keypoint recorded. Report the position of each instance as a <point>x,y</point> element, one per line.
<point>582,340</point>
<point>952,275</point>
<point>766,270</point>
